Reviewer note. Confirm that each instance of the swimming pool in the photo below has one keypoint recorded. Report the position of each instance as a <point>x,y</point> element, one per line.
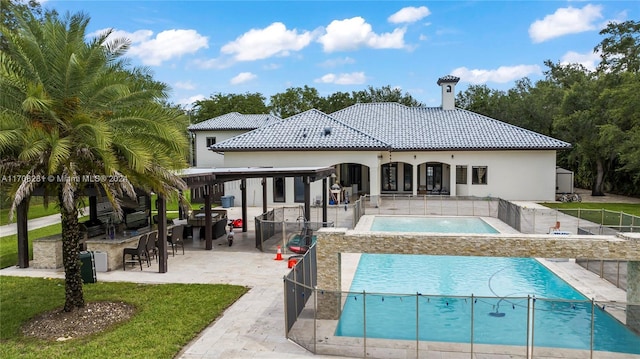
<point>431,224</point>
<point>500,285</point>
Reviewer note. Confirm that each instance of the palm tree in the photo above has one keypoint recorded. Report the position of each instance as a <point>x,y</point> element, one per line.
<point>72,108</point>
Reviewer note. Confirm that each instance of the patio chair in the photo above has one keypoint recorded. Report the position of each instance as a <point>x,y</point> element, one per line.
<point>137,254</point>
<point>176,238</point>
<point>152,246</point>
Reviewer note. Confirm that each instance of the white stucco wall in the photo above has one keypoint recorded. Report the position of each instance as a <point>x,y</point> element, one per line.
<point>206,158</point>
<point>512,175</point>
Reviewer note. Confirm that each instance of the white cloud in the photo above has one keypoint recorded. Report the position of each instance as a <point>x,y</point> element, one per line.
<point>134,37</point>
<point>218,63</point>
<point>503,74</point>
<point>185,85</point>
<point>167,45</point>
<point>273,40</point>
<point>338,62</point>
<point>242,78</point>
<point>188,102</point>
<point>354,78</point>
<point>565,21</point>
<point>351,34</point>
<point>588,60</point>
<point>409,14</point>
<point>271,66</point>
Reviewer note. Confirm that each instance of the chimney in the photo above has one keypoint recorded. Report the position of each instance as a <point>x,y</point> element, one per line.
<point>448,85</point>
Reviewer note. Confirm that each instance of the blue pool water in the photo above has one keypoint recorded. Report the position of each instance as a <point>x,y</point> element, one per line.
<point>564,322</point>
<point>431,224</point>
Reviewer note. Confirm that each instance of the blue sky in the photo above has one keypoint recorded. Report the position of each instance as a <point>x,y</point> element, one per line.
<point>200,48</point>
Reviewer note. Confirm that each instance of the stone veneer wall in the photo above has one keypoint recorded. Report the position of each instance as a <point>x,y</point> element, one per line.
<point>113,248</point>
<point>47,252</point>
<point>333,241</point>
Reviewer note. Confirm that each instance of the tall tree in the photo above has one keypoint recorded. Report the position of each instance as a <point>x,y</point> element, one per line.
<point>483,100</point>
<point>620,50</point>
<point>71,108</point>
<point>336,102</point>
<point>8,15</point>
<point>384,94</point>
<point>220,104</point>
<point>295,100</point>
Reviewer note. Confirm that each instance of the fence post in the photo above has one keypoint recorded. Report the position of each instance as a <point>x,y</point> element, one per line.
<point>364,323</point>
<point>621,215</point>
<point>417,325</point>
<point>533,314</point>
<point>284,236</point>
<point>315,319</point>
<point>528,323</point>
<point>286,319</point>
<point>593,319</point>
<point>472,300</point>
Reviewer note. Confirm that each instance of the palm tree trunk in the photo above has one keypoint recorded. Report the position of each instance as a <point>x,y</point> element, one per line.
<point>74,297</point>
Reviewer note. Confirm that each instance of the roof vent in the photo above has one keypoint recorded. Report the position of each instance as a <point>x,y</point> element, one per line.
<point>327,131</point>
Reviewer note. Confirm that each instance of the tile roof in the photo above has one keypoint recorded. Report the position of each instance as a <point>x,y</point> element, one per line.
<point>448,79</point>
<point>234,121</point>
<point>390,126</point>
<point>310,130</point>
<point>432,128</point>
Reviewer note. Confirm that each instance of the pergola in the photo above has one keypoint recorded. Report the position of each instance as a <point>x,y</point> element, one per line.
<point>207,178</point>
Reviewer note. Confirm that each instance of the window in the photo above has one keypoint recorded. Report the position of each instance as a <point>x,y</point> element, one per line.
<point>461,174</point>
<point>408,177</point>
<point>389,177</point>
<point>479,175</point>
<point>278,189</point>
<point>211,141</point>
<point>298,189</point>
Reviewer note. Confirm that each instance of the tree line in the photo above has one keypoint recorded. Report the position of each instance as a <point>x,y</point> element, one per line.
<point>597,111</point>
<point>294,101</point>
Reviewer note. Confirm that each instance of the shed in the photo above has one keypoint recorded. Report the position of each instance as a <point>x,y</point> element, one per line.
<point>564,180</point>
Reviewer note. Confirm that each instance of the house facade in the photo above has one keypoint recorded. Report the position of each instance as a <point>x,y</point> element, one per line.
<point>208,133</point>
<point>389,148</point>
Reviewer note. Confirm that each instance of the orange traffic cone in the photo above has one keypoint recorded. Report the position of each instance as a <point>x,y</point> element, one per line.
<point>278,255</point>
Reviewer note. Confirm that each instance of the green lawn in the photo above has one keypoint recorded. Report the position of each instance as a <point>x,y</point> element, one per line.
<point>168,317</point>
<point>628,208</point>
<point>9,244</point>
<point>36,210</point>
<point>608,214</point>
